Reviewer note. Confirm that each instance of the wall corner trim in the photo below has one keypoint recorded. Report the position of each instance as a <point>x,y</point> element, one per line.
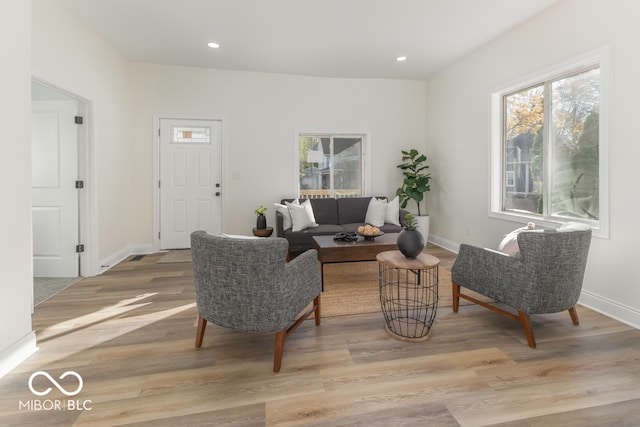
<point>17,353</point>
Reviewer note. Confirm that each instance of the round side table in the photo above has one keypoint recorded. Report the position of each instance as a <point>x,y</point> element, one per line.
<point>408,294</point>
<point>263,232</point>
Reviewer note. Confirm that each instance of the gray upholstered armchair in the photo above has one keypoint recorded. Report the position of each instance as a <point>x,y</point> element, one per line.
<point>246,284</point>
<point>545,277</point>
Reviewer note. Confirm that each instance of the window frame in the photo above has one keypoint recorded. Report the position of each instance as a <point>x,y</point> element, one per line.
<point>365,161</point>
<point>598,58</point>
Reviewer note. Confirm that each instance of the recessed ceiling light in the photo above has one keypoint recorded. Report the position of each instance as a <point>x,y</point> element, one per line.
<point>401,58</point>
<point>213,45</point>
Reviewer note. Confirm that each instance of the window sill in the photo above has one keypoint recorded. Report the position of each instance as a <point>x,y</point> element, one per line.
<point>523,219</point>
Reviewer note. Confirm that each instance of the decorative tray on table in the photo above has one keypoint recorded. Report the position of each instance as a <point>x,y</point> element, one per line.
<point>369,232</point>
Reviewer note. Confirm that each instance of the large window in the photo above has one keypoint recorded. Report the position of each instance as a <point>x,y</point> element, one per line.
<point>330,165</point>
<point>548,151</point>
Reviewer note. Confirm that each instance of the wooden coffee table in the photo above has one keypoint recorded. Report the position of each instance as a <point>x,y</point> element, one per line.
<point>336,251</point>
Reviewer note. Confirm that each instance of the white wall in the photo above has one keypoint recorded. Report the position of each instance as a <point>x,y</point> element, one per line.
<point>17,340</point>
<point>458,137</point>
<point>260,114</point>
<point>70,56</point>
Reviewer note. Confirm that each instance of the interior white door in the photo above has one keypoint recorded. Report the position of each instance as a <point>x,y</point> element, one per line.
<point>54,143</point>
<point>190,173</point>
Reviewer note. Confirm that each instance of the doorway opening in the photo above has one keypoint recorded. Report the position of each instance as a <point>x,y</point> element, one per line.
<point>60,188</point>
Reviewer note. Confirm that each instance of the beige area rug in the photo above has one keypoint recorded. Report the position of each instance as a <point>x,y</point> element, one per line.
<point>352,288</point>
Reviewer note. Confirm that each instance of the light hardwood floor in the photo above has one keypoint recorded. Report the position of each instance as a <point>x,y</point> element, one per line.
<point>130,334</point>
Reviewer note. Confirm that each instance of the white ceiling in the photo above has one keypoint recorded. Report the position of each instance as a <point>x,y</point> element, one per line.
<point>332,38</point>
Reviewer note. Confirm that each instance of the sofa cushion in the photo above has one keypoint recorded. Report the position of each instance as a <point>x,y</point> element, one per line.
<point>352,210</point>
<point>325,210</point>
<point>351,227</point>
<point>302,238</point>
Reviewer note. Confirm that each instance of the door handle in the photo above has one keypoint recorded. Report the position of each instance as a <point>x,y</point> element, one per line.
<point>217,194</point>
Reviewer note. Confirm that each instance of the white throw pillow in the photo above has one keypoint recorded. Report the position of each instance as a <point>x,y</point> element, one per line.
<point>573,226</point>
<point>286,216</point>
<point>393,212</point>
<point>301,216</point>
<point>238,236</point>
<point>509,244</point>
<point>309,209</point>
<point>376,212</point>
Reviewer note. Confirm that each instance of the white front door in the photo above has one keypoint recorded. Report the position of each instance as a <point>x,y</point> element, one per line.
<point>54,156</point>
<point>190,173</point>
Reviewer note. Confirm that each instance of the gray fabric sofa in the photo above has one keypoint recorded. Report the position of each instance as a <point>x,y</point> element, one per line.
<point>333,216</point>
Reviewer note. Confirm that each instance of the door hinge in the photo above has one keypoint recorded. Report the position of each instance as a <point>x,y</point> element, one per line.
<point>158,184</point>
<point>158,234</point>
<point>79,248</point>
<point>78,120</point>
<point>79,184</point>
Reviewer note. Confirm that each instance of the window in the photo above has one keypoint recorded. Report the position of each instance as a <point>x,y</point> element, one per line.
<point>330,165</point>
<point>190,135</point>
<point>548,150</point>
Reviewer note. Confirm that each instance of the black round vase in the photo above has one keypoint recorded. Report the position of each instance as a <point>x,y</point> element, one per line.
<point>410,243</point>
<point>261,222</point>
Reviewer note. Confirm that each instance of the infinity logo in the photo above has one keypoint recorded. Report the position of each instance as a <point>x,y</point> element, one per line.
<point>55,383</point>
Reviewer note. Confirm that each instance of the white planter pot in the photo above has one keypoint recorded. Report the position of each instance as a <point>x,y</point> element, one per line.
<point>423,226</point>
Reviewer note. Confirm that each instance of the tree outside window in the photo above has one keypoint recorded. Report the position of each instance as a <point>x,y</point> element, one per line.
<point>551,147</point>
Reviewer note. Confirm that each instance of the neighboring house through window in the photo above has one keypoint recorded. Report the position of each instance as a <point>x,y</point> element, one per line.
<point>549,147</point>
<point>331,164</point>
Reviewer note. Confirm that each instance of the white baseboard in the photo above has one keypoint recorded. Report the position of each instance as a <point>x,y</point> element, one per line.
<point>444,243</point>
<point>122,254</point>
<point>17,353</point>
<point>610,308</point>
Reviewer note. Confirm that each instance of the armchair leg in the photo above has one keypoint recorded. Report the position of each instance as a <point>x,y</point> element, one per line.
<point>316,310</point>
<point>525,320</point>
<point>456,297</point>
<point>279,350</point>
<point>202,325</point>
<point>574,315</point>
<point>282,335</point>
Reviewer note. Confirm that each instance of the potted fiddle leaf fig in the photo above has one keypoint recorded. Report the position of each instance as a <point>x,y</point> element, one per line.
<point>416,182</point>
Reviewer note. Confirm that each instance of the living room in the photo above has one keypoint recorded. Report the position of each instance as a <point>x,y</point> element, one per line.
<point>261,112</point>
